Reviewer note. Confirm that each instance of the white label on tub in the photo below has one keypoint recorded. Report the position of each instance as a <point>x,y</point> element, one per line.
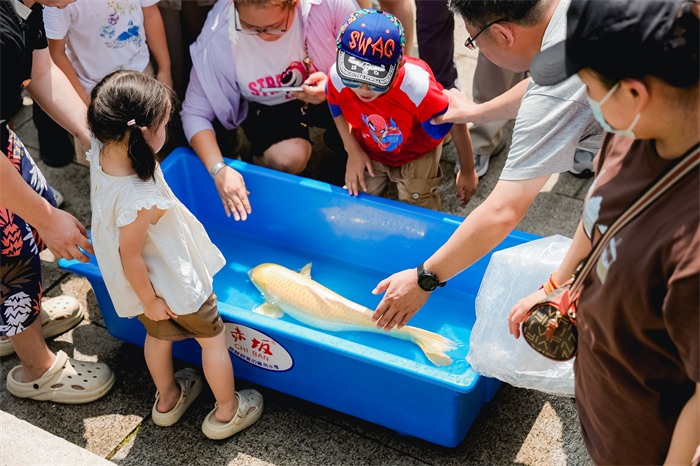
<point>256,348</point>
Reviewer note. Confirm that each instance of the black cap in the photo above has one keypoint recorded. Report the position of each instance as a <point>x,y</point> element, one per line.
<point>618,39</point>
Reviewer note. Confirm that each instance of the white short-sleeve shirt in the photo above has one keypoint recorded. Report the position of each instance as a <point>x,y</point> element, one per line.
<point>553,121</point>
<point>101,36</point>
<point>180,258</point>
<point>262,64</point>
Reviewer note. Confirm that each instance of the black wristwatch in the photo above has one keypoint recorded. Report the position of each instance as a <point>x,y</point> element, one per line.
<point>428,281</point>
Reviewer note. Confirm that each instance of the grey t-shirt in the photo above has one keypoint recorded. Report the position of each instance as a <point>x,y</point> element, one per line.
<point>553,121</point>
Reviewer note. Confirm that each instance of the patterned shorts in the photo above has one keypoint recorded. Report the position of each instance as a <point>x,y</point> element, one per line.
<point>20,245</point>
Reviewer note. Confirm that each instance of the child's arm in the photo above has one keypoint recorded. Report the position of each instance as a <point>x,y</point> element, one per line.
<point>155,38</point>
<point>57,49</point>
<point>357,159</point>
<point>131,239</point>
<point>467,180</point>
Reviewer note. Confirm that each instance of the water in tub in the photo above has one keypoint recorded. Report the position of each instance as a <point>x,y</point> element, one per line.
<point>449,313</point>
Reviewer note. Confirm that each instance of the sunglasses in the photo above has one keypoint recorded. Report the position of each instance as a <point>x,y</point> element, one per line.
<point>355,84</point>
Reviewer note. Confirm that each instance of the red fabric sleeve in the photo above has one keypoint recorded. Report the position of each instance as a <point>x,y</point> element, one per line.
<point>434,102</point>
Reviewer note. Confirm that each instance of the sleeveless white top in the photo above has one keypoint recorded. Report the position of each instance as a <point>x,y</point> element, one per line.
<point>180,258</point>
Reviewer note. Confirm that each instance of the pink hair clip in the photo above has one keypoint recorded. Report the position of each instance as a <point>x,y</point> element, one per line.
<point>131,123</point>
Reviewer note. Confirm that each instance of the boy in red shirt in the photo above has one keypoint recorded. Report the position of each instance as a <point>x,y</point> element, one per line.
<point>383,104</point>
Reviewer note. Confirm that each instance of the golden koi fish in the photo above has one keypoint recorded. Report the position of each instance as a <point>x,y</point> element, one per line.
<point>315,305</point>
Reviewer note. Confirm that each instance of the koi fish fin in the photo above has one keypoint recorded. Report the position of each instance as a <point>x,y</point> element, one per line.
<point>306,271</point>
<point>313,291</point>
<point>270,310</point>
<point>342,302</point>
<point>433,345</point>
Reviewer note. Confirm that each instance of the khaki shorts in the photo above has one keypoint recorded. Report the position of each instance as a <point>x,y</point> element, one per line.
<point>417,180</point>
<point>205,323</point>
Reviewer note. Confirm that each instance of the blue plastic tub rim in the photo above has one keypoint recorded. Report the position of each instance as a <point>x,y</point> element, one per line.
<point>463,382</point>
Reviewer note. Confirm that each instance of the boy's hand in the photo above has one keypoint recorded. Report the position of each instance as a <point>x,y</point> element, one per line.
<point>520,310</point>
<point>158,310</point>
<point>467,181</point>
<point>355,171</point>
<point>314,89</point>
<point>231,187</point>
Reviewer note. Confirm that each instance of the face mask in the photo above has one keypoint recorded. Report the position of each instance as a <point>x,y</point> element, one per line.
<point>598,114</point>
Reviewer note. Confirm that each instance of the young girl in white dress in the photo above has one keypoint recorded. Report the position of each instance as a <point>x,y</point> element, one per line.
<point>156,258</point>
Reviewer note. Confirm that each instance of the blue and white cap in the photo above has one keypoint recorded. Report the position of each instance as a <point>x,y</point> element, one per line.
<point>370,46</point>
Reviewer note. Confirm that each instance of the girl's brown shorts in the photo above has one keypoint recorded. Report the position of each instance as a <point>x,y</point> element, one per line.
<point>205,323</point>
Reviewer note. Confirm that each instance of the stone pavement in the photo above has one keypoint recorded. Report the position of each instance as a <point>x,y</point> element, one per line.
<point>517,427</point>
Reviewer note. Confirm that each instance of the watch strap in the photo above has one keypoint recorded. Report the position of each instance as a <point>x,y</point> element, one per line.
<point>421,272</point>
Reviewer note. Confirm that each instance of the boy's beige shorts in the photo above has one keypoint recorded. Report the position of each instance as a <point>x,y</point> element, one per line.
<point>417,181</point>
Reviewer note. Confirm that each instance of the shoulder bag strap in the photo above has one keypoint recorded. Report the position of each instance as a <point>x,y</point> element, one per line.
<point>688,163</point>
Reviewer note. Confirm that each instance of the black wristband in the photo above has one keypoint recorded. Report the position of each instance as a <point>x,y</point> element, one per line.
<point>428,281</point>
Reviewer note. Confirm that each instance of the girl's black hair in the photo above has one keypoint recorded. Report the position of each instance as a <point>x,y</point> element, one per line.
<point>127,95</point>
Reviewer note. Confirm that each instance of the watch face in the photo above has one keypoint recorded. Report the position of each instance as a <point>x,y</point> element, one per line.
<point>427,282</point>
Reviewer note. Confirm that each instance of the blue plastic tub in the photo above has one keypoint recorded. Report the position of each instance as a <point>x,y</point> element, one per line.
<point>353,244</point>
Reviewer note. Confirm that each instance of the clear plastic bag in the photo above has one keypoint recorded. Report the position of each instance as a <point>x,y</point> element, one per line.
<point>513,274</point>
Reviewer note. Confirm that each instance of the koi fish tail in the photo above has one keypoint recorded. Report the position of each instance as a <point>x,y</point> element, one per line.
<point>433,345</point>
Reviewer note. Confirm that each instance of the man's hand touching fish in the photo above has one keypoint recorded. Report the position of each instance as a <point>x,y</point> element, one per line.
<point>402,299</point>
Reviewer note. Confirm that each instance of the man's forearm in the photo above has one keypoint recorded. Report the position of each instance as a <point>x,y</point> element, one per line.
<point>485,227</point>
<point>57,49</point>
<point>505,106</point>
<point>480,232</point>
<point>56,96</point>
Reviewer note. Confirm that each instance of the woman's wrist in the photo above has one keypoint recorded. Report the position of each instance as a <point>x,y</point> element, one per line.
<point>216,168</point>
<point>551,284</point>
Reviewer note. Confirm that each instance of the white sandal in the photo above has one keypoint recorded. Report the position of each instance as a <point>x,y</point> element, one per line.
<point>58,315</point>
<point>190,387</point>
<point>217,430</point>
<point>67,381</point>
